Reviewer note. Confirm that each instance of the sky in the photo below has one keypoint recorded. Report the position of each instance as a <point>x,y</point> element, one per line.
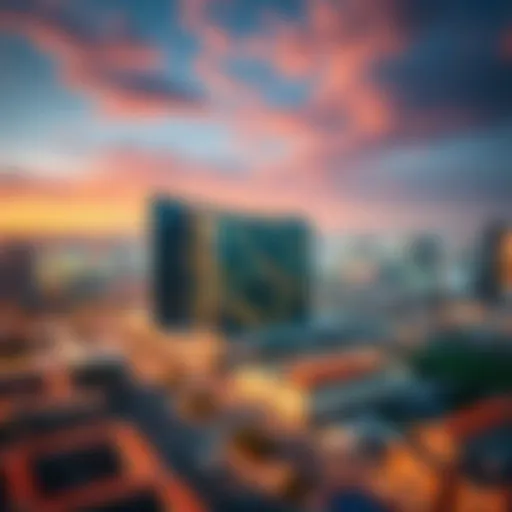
<point>361,115</point>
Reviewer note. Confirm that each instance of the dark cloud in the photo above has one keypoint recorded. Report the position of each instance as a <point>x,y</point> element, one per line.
<point>448,70</point>
<point>453,61</point>
<point>155,85</point>
<point>472,168</point>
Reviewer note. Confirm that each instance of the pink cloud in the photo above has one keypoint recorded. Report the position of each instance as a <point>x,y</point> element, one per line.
<point>193,14</point>
<point>293,55</point>
<point>136,57</point>
<point>112,197</point>
<point>336,49</point>
<point>90,66</point>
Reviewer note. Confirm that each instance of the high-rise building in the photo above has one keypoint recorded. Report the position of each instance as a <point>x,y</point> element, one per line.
<point>228,272</point>
<point>494,274</point>
<point>426,255</point>
<point>174,227</point>
<point>424,264</point>
<point>17,272</point>
<point>506,262</point>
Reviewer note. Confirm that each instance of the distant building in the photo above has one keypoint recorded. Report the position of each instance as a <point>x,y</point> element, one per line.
<point>506,262</point>
<point>426,255</point>
<point>424,263</point>
<point>17,272</point>
<point>494,270</point>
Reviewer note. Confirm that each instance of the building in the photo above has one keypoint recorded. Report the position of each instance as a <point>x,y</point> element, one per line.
<point>17,273</point>
<point>321,389</point>
<point>494,274</point>
<point>506,262</point>
<point>425,260</point>
<point>227,272</point>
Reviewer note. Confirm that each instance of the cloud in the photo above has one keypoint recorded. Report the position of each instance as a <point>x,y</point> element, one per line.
<point>334,51</point>
<point>305,96</point>
<point>193,14</point>
<point>143,96</point>
<point>122,74</point>
<point>121,181</point>
<point>111,198</point>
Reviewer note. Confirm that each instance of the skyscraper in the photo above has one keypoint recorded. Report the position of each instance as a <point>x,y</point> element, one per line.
<point>17,272</point>
<point>226,271</point>
<point>264,271</point>
<point>493,275</point>
<point>173,280</point>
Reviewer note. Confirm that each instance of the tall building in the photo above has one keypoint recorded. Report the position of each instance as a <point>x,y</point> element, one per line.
<point>424,265</point>
<point>426,255</point>
<point>17,272</point>
<point>228,272</point>
<point>506,262</point>
<point>173,229</point>
<point>494,274</point>
<point>263,267</point>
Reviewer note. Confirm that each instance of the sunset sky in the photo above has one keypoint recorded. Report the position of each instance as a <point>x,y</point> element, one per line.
<point>359,114</point>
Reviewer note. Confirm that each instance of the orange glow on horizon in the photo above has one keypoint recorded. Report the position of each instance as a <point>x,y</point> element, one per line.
<point>46,217</point>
